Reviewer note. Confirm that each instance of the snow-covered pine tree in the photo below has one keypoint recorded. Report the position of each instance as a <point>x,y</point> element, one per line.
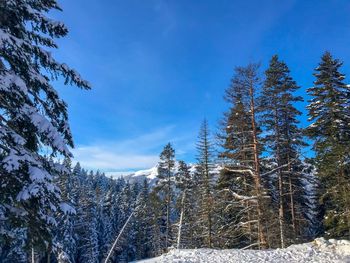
<point>125,208</point>
<point>64,232</point>
<point>133,225</point>
<point>86,224</point>
<point>101,186</point>
<point>32,117</point>
<point>14,251</point>
<point>329,112</point>
<point>235,229</point>
<point>117,213</point>
<point>105,223</point>
<point>283,141</point>
<point>164,189</point>
<point>240,184</point>
<point>156,224</point>
<point>308,224</point>
<point>143,220</point>
<point>185,204</point>
<point>204,170</point>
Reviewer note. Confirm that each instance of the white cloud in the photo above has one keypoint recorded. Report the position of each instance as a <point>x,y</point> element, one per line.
<point>123,156</point>
<point>108,159</point>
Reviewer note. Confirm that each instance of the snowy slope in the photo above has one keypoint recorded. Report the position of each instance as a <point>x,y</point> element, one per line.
<point>320,250</point>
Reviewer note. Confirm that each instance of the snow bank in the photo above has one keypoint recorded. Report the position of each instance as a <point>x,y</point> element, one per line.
<point>338,246</point>
<point>320,250</point>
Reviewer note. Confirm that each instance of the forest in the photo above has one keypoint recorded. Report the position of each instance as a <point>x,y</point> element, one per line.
<point>261,179</point>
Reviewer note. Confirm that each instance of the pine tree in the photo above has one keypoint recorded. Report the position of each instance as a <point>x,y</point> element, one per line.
<point>240,183</point>
<point>125,209</point>
<point>86,225</point>
<point>236,143</point>
<point>64,236</point>
<point>117,213</point>
<point>283,141</point>
<point>105,224</point>
<point>204,169</point>
<point>185,204</point>
<point>330,117</point>
<point>133,225</point>
<point>144,224</point>
<point>157,224</point>
<point>32,117</point>
<point>164,188</point>
<point>14,251</point>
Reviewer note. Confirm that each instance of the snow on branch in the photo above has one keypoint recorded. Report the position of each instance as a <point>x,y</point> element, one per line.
<point>46,128</point>
<point>240,171</point>
<point>240,197</point>
<point>8,132</point>
<point>8,80</point>
<point>278,168</point>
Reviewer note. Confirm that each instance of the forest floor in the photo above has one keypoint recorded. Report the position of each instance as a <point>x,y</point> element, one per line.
<point>320,250</point>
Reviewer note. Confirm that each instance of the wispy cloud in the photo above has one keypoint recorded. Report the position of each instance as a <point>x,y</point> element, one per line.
<point>130,154</point>
<point>107,159</point>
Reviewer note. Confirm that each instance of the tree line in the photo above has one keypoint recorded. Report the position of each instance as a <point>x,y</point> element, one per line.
<point>267,193</point>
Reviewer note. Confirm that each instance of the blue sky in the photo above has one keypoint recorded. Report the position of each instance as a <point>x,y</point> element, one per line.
<point>158,67</point>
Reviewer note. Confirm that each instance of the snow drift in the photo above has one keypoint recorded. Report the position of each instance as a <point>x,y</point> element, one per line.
<point>320,250</point>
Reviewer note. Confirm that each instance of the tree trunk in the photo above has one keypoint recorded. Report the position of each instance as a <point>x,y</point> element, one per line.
<point>33,255</point>
<point>181,219</point>
<point>280,182</point>
<point>209,215</point>
<point>246,204</point>
<point>257,179</point>
<point>168,214</point>
<point>208,194</point>
<point>281,210</point>
<point>345,198</point>
<point>291,197</point>
<point>49,254</point>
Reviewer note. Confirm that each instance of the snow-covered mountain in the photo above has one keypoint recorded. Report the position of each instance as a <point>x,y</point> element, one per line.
<point>151,173</point>
<point>139,176</point>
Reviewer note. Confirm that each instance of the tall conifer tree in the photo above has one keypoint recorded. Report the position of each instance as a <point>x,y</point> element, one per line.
<point>144,224</point>
<point>283,140</point>
<point>329,112</point>
<point>165,190</point>
<point>33,116</point>
<point>204,168</point>
<point>240,181</point>
<point>186,206</point>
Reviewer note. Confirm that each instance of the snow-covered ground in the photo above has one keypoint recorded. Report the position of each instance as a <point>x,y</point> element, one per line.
<point>320,250</point>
